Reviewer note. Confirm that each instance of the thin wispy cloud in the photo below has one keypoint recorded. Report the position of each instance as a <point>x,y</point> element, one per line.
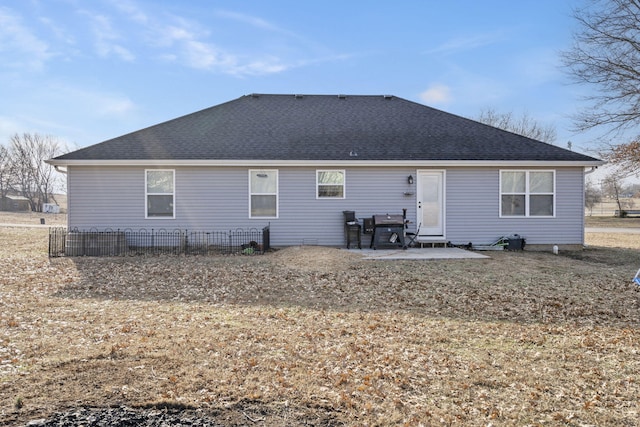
<point>131,10</point>
<point>180,41</point>
<point>10,126</point>
<point>473,90</point>
<point>202,53</point>
<point>36,122</point>
<point>255,22</point>
<point>108,104</point>
<point>58,31</point>
<point>538,66</point>
<point>116,106</point>
<point>107,40</point>
<point>437,94</point>
<point>183,43</point>
<point>268,65</point>
<point>294,42</point>
<point>19,46</point>
<point>461,44</point>
<point>189,43</point>
<point>206,56</point>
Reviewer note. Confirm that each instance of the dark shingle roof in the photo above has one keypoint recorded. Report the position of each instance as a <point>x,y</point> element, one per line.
<point>323,127</point>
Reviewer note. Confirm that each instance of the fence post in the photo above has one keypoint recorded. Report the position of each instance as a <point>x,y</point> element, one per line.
<point>266,238</point>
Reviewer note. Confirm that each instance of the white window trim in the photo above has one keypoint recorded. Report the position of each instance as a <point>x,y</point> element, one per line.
<point>147,194</point>
<point>344,184</point>
<point>527,194</point>
<point>277,193</point>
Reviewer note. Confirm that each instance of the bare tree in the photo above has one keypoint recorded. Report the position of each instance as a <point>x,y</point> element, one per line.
<point>613,186</point>
<point>6,177</point>
<point>523,125</point>
<point>626,157</point>
<point>32,177</point>
<point>592,196</point>
<point>605,55</point>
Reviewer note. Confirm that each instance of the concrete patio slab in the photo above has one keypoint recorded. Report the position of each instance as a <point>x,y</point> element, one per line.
<point>417,254</point>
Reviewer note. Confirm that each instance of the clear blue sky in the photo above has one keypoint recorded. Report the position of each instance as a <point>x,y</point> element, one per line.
<point>89,70</point>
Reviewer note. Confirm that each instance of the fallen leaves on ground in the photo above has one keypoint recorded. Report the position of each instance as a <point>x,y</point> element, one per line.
<point>318,336</point>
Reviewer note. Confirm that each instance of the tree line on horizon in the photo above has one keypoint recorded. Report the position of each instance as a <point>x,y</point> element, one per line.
<point>23,171</point>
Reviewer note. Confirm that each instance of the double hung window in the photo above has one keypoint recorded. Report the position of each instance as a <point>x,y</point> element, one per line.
<point>160,193</point>
<point>330,184</point>
<point>263,193</point>
<point>527,193</point>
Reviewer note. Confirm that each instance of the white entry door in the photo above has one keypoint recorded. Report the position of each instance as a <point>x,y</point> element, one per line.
<point>430,198</point>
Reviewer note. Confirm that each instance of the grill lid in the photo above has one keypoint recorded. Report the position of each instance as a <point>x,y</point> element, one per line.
<point>388,219</point>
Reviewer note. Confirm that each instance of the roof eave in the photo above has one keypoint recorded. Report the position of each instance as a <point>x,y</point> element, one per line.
<point>325,163</point>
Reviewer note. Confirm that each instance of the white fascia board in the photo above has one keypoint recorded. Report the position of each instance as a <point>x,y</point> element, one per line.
<point>325,163</point>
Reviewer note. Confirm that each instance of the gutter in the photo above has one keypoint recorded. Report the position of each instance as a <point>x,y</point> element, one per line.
<point>325,163</point>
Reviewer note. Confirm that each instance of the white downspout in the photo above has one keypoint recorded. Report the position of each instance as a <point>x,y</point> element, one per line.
<point>586,172</point>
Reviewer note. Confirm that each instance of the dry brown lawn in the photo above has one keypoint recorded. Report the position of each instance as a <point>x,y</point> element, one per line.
<point>613,222</point>
<point>33,218</point>
<point>317,336</point>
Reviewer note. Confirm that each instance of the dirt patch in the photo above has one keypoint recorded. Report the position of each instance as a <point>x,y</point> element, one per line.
<point>317,336</point>
<point>315,258</point>
<point>169,414</point>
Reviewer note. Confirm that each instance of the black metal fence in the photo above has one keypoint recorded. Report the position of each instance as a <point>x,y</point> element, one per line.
<point>63,242</point>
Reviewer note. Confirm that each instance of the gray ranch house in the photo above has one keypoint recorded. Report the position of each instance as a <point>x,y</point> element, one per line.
<point>297,162</point>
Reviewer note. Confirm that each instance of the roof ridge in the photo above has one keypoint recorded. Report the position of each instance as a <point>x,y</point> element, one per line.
<point>329,95</point>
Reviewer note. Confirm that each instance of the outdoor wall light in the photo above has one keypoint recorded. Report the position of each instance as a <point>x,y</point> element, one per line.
<point>410,179</point>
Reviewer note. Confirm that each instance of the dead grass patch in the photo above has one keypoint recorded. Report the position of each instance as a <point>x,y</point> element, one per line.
<point>316,336</point>
<point>613,240</point>
<point>33,218</point>
<point>612,221</point>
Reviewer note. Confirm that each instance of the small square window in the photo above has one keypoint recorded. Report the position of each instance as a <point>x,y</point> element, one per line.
<point>330,184</point>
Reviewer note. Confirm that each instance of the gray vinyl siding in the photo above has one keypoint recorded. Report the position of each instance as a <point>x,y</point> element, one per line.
<point>217,199</point>
<point>208,198</point>
<point>473,209</point>
<point>368,191</point>
<point>104,197</point>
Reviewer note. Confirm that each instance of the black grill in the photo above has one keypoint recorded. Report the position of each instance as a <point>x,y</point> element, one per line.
<point>388,230</point>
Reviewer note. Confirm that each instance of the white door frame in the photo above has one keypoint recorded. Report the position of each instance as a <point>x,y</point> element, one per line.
<point>436,229</point>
